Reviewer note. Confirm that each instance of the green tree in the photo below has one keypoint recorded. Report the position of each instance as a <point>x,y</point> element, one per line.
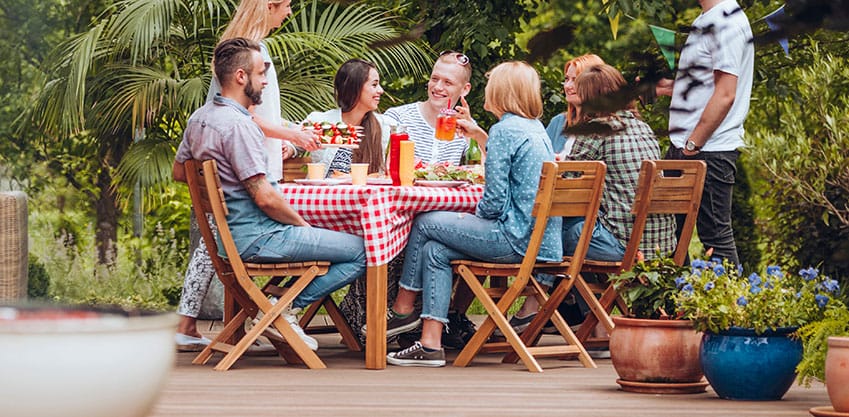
<point>143,67</point>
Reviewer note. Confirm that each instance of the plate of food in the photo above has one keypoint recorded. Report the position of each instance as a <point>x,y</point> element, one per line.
<point>335,135</point>
<point>323,181</point>
<point>440,183</point>
<point>444,171</point>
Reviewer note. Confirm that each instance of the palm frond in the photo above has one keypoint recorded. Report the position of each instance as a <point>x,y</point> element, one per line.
<point>148,163</point>
<point>142,26</point>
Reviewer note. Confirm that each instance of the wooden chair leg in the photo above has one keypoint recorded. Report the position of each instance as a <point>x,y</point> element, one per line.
<point>348,337</point>
<point>221,341</point>
<point>496,318</point>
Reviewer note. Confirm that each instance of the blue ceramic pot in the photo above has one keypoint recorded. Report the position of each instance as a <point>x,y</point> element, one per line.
<point>742,365</point>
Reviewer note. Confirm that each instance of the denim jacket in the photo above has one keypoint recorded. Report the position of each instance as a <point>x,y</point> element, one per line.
<point>516,149</point>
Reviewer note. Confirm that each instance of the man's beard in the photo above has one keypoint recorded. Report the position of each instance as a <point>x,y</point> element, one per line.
<point>254,95</point>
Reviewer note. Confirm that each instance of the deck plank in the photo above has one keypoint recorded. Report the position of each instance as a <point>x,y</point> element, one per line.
<point>266,386</point>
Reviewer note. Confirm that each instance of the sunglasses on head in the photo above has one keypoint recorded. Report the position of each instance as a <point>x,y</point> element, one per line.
<point>462,59</point>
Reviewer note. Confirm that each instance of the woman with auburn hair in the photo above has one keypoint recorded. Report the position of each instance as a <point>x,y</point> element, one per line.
<point>357,89</point>
<point>253,20</point>
<point>500,229</point>
<point>556,129</point>
<point>622,141</point>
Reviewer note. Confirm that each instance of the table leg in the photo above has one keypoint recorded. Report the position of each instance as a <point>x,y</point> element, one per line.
<point>376,317</point>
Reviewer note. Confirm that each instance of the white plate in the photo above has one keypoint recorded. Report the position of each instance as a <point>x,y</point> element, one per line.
<point>449,184</point>
<point>325,181</point>
<point>379,181</point>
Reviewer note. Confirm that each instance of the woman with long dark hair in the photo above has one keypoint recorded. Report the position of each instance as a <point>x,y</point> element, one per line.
<point>357,90</point>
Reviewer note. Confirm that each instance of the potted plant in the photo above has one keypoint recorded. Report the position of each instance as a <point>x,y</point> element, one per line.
<point>826,356</point>
<point>652,349</point>
<point>748,350</point>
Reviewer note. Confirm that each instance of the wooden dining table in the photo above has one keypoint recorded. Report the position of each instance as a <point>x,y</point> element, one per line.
<point>382,215</point>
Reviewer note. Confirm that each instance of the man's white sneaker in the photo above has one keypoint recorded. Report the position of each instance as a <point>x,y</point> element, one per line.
<point>290,315</point>
<point>186,343</point>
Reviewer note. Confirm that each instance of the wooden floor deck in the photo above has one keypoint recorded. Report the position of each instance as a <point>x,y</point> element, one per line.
<point>266,386</point>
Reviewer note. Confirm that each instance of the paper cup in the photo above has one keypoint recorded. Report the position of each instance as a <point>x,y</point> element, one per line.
<point>315,171</point>
<point>359,172</point>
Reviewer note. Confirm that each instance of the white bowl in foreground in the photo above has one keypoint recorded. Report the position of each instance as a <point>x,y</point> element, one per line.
<point>81,361</point>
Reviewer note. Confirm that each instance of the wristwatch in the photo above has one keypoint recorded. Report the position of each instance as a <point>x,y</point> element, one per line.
<point>691,146</point>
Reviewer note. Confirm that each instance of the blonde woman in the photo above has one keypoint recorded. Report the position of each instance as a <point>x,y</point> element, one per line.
<point>500,229</point>
<point>556,129</point>
<point>253,20</point>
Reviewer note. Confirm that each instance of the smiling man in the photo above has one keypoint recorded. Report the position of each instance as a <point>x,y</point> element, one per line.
<point>265,228</point>
<point>449,81</point>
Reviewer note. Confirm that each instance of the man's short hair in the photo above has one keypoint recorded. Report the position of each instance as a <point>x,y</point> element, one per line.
<point>231,55</point>
<point>457,58</point>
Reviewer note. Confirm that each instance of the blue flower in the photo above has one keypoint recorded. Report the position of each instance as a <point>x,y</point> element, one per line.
<point>739,270</point>
<point>680,281</point>
<point>774,270</point>
<point>822,300</point>
<point>716,260</point>
<point>719,270</point>
<point>768,284</point>
<point>799,295</point>
<point>698,264</point>
<point>809,274</point>
<point>742,301</point>
<point>709,286</point>
<point>831,285</point>
<point>697,272</point>
<point>754,279</point>
<point>755,290</point>
<point>688,288</point>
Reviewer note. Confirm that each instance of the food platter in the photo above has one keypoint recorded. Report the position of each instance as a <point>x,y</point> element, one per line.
<point>440,183</point>
<point>323,181</point>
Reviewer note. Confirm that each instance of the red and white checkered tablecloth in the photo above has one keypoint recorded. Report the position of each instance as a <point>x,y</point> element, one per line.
<point>382,215</point>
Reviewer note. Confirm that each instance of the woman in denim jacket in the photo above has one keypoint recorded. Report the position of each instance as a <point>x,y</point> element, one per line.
<point>500,229</point>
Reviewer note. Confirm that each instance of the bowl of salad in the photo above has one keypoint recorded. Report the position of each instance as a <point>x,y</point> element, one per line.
<point>444,171</point>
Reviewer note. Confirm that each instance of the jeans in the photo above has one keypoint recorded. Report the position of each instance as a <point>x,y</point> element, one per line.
<point>345,252</point>
<point>603,245</point>
<point>714,221</point>
<point>440,237</point>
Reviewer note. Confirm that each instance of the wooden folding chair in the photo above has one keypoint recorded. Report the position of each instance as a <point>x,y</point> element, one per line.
<point>664,187</point>
<point>557,196</point>
<point>237,277</point>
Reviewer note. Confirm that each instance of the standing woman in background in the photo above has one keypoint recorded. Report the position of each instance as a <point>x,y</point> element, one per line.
<point>254,20</point>
<point>556,129</point>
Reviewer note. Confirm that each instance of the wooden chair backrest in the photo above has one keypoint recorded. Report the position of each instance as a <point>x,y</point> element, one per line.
<point>540,211</point>
<point>578,194</point>
<point>666,187</point>
<point>208,200</point>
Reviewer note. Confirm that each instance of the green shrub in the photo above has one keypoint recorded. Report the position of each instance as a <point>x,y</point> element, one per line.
<point>144,272</point>
<point>799,128</point>
<point>38,283</point>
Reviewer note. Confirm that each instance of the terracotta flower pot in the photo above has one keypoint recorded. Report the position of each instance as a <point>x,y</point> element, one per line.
<point>837,373</point>
<point>656,356</point>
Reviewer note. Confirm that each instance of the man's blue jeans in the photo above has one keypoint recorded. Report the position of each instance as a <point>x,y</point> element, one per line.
<point>345,252</point>
<point>440,237</point>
